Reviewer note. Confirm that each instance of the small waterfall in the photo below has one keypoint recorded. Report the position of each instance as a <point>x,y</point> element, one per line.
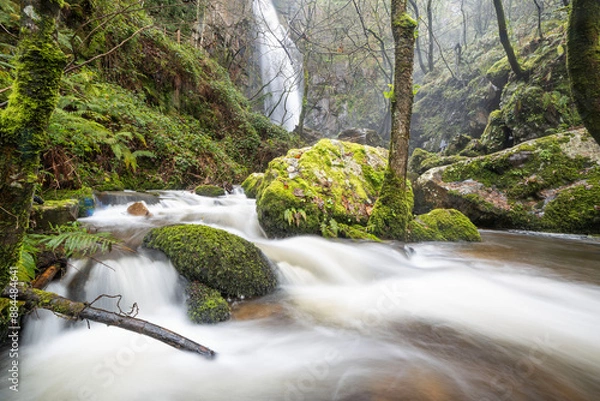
<point>279,73</point>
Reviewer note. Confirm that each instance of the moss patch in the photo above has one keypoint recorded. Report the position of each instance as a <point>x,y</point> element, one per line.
<point>443,225</point>
<point>206,305</point>
<point>252,184</point>
<point>393,209</point>
<point>314,190</point>
<point>216,258</point>
<point>212,191</point>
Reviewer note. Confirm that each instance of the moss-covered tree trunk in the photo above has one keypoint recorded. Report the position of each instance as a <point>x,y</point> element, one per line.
<point>583,61</point>
<point>504,39</point>
<point>24,122</point>
<point>393,209</point>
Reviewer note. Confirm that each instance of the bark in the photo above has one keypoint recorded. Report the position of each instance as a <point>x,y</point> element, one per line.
<point>35,298</point>
<point>413,3</point>
<point>502,31</point>
<point>393,209</point>
<point>430,30</point>
<point>403,28</point>
<point>46,277</point>
<point>24,122</point>
<point>538,5</point>
<point>583,62</point>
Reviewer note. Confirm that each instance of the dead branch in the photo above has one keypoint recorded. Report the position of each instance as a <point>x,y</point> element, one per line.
<point>69,309</point>
<point>46,277</point>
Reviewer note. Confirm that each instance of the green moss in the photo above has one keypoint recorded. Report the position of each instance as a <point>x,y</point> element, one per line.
<point>443,225</point>
<point>83,195</point>
<point>329,183</point>
<point>498,73</point>
<point>393,210</point>
<point>252,184</point>
<point>576,210</point>
<point>405,21</point>
<point>211,191</point>
<point>216,258</point>
<point>206,305</point>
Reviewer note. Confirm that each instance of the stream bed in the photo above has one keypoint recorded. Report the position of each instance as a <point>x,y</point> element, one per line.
<point>515,317</point>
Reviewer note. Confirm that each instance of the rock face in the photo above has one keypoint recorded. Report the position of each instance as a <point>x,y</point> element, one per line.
<point>220,260</point>
<point>547,184</point>
<point>328,189</point>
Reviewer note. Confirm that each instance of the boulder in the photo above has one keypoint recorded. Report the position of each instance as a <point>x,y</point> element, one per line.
<point>139,209</point>
<point>442,225</point>
<point>328,189</point>
<point>252,184</point>
<point>222,261</point>
<point>53,213</point>
<point>211,191</point>
<point>206,305</point>
<point>547,184</point>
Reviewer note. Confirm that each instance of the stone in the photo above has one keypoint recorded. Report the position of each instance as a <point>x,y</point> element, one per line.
<point>139,209</point>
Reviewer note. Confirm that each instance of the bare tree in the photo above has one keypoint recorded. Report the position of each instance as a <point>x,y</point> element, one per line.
<point>504,39</point>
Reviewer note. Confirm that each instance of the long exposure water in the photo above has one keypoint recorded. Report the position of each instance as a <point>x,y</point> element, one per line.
<point>516,317</point>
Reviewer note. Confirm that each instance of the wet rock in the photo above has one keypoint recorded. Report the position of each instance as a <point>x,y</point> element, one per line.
<point>211,191</point>
<point>225,262</point>
<point>125,197</point>
<point>139,209</point>
<point>206,305</point>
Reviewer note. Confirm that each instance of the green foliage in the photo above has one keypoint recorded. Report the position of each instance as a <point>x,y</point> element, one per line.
<point>293,216</point>
<point>216,258</point>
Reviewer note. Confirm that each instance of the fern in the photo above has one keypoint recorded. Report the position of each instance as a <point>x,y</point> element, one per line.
<point>75,241</point>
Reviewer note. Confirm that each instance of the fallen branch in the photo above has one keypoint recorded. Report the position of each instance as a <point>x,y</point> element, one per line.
<point>35,298</point>
<point>46,277</point>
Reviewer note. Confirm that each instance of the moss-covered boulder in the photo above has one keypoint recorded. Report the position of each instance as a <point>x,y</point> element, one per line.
<point>549,184</point>
<point>328,189</point>
<point>252,184</point>
<point>53,213</point>
<point>211,191</point>
<point>442,225</point>
<point>206,305</point>
<point>223,261</point>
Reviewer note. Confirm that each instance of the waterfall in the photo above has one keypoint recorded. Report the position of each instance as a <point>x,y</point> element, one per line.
<point>278,59</point>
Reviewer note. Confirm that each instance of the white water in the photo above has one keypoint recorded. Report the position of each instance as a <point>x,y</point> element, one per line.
<point>350,321</point>
<point>278,59</point>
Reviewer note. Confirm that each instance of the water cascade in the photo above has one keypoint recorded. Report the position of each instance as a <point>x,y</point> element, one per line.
<point>512,318</point>
<point>279,66</point>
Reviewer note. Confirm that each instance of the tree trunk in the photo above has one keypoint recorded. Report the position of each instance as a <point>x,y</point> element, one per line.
<point>538,5</point>
<point>393,209</point>
<point>35,298</point>
<point>24,122</point>
<point>430,30</point>
<point>510,53</point>
<point>583,62</point>
<point>413,3</point>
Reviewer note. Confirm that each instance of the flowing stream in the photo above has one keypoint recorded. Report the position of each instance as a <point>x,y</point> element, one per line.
<point>278,59</point>
<point>516,317</point>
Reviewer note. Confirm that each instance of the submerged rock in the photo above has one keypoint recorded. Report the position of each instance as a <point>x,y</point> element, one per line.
<point>328,189</point>
<point>549,184</point>
<point>211,191</point>
<point>206,305</point>
<point>222,261</point>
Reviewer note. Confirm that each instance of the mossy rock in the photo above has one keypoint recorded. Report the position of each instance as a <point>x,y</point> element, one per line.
<point>53,213</point>
<point>547,184</point>
<point>211,191</point>
<point>84,196</point>
<point>206,305</point>
<point>223,261</point>
<point>252,184</point>
<point>311,189</point>
<point>443,225</point>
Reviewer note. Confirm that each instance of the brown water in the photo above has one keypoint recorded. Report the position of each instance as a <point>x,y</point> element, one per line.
<point>516,317</point>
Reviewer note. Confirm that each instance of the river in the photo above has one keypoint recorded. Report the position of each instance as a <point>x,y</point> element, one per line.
<point>515,317</point>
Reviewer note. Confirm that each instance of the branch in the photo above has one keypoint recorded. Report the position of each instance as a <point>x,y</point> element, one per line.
<point>74,67</point>
<point>35,298</point>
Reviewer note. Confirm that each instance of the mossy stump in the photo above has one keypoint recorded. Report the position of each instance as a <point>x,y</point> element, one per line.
<point>222,261</point>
